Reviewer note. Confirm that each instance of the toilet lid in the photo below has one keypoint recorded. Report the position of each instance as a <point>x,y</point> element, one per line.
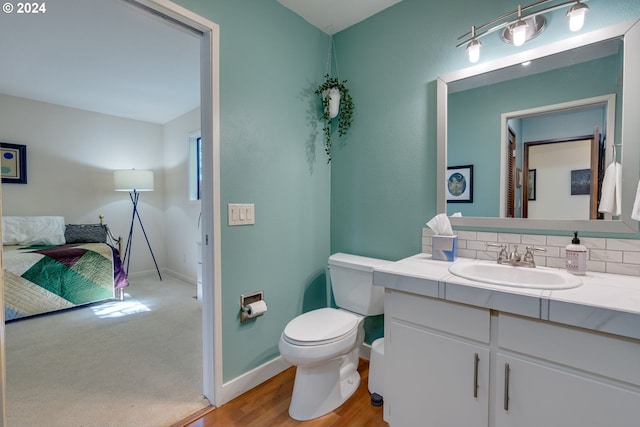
<point>318,326</point>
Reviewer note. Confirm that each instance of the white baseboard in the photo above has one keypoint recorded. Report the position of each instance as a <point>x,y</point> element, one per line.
<point>264,372</point>
<point>139,274</point>
<point>179,276</point>
<point>251,379</point>
<point>163,272</point>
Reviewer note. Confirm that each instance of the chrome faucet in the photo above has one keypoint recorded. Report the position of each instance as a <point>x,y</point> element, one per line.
<point>502,254</point>
<point>514,258</point>
<point>528,260</point>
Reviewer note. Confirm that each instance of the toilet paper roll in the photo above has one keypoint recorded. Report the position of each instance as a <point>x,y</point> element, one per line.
<point>256,309</point>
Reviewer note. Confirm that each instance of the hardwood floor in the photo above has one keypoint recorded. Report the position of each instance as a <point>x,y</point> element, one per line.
<point>267,406</point>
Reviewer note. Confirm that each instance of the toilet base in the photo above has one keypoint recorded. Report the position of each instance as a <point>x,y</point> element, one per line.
<point>320,389</point>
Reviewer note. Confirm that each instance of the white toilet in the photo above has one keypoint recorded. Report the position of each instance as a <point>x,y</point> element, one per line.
<point>324,344</point>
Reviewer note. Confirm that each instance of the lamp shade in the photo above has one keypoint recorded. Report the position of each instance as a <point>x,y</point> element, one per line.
<point>132,180</point>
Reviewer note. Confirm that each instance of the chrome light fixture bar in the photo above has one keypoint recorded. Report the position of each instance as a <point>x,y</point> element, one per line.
<point>522,24</point>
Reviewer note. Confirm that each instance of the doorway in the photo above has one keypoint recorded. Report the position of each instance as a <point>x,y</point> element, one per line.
<point>593,117</point>
<point>209,35</point>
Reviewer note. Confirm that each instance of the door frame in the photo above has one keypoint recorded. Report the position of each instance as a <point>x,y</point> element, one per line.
<point>211,226</point>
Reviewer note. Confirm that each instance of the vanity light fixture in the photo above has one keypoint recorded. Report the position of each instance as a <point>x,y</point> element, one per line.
<point>473,48</point>
<point>518,30</point>
<point>576,16</point>
<point>522,24</point>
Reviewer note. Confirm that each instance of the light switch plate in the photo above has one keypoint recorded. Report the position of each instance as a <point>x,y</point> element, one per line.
<point>241,214</point>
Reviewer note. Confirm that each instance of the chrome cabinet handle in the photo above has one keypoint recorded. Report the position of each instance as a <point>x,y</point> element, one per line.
<point>506,386</point>
<point>476,361</point>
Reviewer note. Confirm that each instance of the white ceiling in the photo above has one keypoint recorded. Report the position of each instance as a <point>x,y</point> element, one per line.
<point>106,56</point>
<point>102,56</point>
<point>332,16</point>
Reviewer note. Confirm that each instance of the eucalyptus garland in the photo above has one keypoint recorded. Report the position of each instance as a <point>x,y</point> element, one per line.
<point>345,113</point>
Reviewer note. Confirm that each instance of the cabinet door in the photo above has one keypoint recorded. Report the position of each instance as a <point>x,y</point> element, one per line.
<point>546,395</point>
<point>431,379</point>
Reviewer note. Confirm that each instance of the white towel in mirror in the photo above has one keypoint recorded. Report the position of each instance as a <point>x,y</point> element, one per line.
<point>611,188</point>
<point>635,213</point>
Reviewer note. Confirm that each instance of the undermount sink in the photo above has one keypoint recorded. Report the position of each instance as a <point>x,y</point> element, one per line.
<point>521,277</point>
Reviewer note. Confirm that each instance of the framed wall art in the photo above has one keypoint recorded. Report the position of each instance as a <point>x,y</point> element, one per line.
<point>580,182</point>
<point>13,161</point>
<point>460,184</point>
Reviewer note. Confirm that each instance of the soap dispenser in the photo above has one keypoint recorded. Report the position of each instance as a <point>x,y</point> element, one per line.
<point>576,261</point>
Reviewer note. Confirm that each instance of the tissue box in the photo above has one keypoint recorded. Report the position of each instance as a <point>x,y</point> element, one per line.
<point>444,248</point>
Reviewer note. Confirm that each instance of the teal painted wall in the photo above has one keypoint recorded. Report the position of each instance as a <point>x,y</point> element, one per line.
<point>384,173</point>
<point>381,186</point>
<point>272,155</point>
<point>383,178</point>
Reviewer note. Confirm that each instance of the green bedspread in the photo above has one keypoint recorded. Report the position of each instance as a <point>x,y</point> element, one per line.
<point>49,278</point>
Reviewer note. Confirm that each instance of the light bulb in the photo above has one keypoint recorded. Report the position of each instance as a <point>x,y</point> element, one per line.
<point>519,33</point>
<point>576,16</point>
<point>473,50</point>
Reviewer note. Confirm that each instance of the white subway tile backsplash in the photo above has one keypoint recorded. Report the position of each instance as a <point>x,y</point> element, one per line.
<point>533,239</point>
<point>552,251</point>
<point>466,253</point>
<point>617,256</point>
<point>631,257</point>
<point>487,237</point>
<point>624,244</point>
<point>594,243</point>
<point>467,235</point>
<point>599,266</point>
<point>486,256</point>
<point>556,262</point>
<point>558,240</point>
<point>605,255</point>
<point>479,246</point>
<point>628,269</point>
<point>509,238</point>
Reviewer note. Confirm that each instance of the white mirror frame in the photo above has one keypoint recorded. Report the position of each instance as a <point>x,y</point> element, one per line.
<point>630,132</point>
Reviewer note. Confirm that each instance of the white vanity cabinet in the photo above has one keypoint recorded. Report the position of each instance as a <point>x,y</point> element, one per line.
<point>553,375</point>
<point>438,362</point>
<point>558,375</point>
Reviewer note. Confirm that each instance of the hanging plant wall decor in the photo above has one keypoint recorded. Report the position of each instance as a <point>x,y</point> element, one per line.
<point>337,107</point>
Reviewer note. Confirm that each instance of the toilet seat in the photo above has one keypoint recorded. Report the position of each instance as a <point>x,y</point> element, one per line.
<point>322,326</point>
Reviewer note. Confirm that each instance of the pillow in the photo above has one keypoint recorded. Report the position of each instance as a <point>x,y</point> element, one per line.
<point>33,230</point>
<point>85,233</point>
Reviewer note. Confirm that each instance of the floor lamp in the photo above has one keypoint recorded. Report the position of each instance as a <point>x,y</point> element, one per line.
<point>134,181</point>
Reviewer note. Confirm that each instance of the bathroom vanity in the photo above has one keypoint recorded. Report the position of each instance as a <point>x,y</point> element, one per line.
<point>464,353</point>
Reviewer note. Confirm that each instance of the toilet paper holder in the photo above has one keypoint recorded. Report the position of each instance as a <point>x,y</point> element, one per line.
<point>245,300</point>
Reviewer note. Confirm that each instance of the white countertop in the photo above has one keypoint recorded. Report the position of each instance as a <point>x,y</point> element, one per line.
<point>604,302</point>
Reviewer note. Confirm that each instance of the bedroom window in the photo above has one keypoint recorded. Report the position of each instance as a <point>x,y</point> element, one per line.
<point>195,166</point>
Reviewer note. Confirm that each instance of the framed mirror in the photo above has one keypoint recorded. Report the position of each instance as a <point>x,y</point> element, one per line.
<point>615,135</point>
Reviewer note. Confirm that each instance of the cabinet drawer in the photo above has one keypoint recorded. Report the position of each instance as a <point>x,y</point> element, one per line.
<point>456,319</point>
<point>602,354</point>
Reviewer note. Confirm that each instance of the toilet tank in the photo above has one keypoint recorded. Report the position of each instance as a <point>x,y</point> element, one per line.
<point>352,283</point>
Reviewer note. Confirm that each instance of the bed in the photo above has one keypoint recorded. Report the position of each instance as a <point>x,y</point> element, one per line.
<point>50,266</point>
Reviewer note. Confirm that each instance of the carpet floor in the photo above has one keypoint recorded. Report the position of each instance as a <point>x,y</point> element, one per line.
<point>135,363</point>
